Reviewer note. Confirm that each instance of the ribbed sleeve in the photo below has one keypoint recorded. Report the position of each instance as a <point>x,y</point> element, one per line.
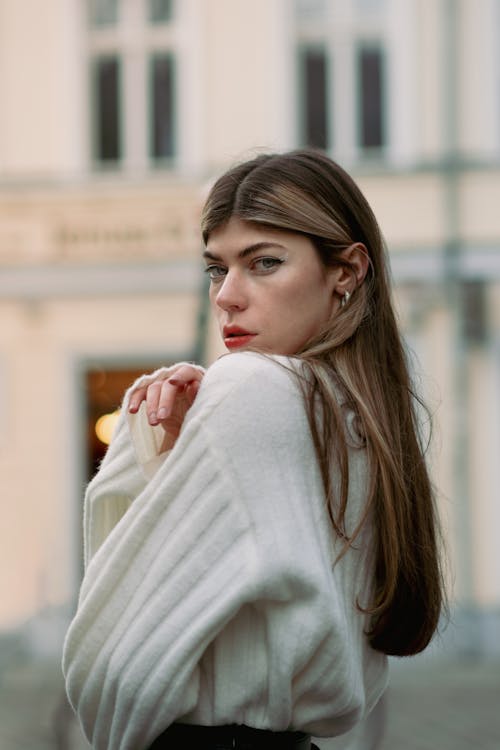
<point>131,459</point>
<point>111,491</point>
<point>212,599</point>
<point>154,597</point>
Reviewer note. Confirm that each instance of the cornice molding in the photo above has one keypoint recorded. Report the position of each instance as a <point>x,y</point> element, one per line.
<point>48,282</point>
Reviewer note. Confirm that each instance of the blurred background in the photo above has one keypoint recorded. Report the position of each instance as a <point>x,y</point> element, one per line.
<point>115,115</point>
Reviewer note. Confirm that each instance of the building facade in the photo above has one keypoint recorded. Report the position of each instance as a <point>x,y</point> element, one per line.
<point>115,115</point>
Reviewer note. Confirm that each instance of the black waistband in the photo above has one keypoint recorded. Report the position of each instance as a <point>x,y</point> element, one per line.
<point>230,737</point>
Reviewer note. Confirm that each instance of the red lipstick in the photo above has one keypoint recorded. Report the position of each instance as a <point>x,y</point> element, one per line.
<point>235,337</point>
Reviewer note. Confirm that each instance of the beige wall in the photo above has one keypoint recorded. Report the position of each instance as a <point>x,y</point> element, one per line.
<point>409,208</point>
<point>245,66</point>
<point>430,33</point>
<point>479,114</point>
<point>40,125</point>
<point>479,214</point>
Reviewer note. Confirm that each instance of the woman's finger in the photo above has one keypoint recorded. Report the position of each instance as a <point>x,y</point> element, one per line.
<point>136,398</point>
<point>152,401</point>
<point>168,394</point>
<point>186,374</point>
<point>139,393</point>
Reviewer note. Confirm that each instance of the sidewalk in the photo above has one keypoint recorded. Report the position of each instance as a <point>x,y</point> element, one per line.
<point>437,704</point>
<point>447,704</point>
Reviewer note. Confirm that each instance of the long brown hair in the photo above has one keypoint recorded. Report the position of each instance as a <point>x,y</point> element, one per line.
<point>361,349</point>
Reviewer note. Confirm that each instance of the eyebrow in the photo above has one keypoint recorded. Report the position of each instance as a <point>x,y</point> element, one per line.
<point>246,250</point>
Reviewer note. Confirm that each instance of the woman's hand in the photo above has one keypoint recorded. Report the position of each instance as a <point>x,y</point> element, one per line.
<point>167,399</point>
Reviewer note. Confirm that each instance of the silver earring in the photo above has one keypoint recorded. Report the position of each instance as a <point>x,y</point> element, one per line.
<point>345,299</point>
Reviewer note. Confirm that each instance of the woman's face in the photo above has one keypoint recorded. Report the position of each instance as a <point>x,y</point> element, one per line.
<point>268,289</point>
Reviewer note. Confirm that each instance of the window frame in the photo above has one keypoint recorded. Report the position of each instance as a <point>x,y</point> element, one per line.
<point>134,41</point>
<point>343,29</point>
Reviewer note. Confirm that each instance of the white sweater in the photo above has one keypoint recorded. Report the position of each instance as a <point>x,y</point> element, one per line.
<point>209,594</point>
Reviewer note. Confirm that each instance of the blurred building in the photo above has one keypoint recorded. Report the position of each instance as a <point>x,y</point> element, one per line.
<point>114,117</point>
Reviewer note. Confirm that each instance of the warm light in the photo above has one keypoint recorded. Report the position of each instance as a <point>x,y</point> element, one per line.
<point>105,425</point>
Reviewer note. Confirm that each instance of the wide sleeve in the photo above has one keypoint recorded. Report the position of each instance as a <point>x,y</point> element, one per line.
<point>131,460</point>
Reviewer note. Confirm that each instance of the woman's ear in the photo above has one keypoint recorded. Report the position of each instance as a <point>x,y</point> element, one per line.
<point>351,277</point>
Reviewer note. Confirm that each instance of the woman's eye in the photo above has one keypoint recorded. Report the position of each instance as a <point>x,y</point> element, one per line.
<point>266,264</point>
<point>215,272</point>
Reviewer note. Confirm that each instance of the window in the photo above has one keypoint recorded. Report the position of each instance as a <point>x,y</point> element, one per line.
<point>370,88</point>
<point>133,89</point>
<point>103,12</point>
<point>343,95</point>
<point>161,102</point>
<point>160,11</point>
<point>106,95</point>
<point>314,125</point>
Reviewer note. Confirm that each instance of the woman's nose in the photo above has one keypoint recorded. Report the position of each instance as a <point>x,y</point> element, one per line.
<point>231,294</point>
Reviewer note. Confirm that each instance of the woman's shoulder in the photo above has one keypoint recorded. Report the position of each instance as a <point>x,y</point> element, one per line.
<point>245,383</point>
<point>250,410</point>
<point>248,369</point>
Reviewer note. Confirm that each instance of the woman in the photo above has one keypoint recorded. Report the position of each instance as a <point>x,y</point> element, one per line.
<point>260,536</point>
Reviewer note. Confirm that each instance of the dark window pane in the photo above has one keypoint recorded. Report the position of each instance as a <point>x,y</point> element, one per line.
<point>371,97</point>
<point>314,115</point>
<point>103,12</point>
<point>160,11</point>
<point>107,109</point>
<point>162,106</point>
<point>473,312</point>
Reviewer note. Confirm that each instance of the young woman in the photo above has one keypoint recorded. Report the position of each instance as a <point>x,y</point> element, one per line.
<point>261,535</point>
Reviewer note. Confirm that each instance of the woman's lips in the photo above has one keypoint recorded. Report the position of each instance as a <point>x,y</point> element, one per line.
<point>235,337</point>
<point>237,340</point>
